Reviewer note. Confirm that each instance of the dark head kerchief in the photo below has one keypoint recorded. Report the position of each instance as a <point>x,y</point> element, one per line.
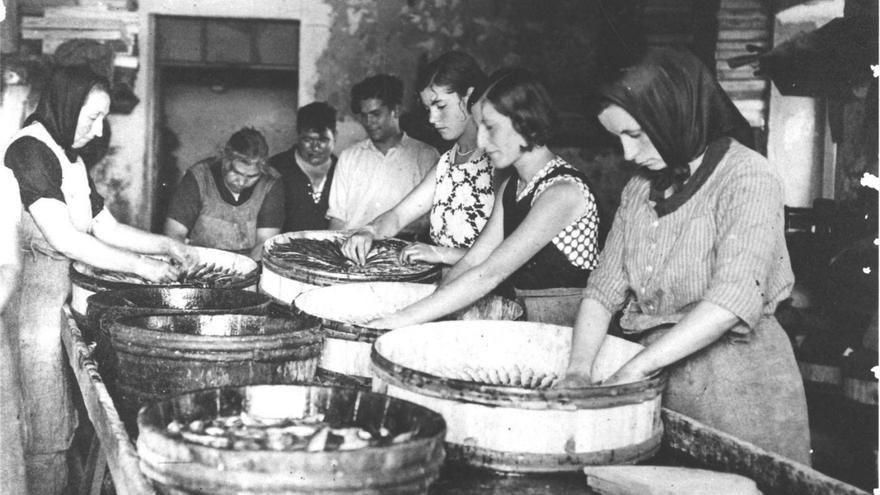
<point>681,107</point>
<point>62,98</point>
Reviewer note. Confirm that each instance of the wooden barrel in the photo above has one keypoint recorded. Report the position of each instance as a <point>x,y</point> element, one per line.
<point>345,309</point>
<point>492,382</point>
<point>161,355</point>
<point>177,466</point>
<point>87,280</point>
<point>557,306</point>
<point>105,306</point>
<point>284,281</point>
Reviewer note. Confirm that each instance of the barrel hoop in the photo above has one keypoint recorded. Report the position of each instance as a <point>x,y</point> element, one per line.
<point>266,354</point>
<point>538,463</point>
<point>329,377</point>
<point>492,395</point>
<point>204,479</point>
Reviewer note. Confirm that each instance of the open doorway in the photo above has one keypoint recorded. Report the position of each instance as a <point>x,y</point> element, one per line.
<point>213,77</point>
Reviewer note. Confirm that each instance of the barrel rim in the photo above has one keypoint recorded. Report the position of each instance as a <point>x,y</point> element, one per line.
<point>434,423</point>
<point>297,272</point>
<point>98,284</point>
<point>523,462</point>
<point>109,300</point>
<point>122,333</point>
<point>93,283</point>
<point>510,396</point>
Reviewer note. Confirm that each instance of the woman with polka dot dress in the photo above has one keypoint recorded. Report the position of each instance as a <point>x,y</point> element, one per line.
<point>543,233</point>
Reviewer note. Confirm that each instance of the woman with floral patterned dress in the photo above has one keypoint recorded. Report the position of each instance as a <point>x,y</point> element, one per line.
<point>543,233</point>
<point>458,192</point>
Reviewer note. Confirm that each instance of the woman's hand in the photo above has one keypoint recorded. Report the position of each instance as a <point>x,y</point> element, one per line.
<point>389,322</point>
<point>157,271</point>
<point>358,245</point>
<point>186,256</point>
<point>628,373</point>
<point>574,380</point>
<point>419,251</point>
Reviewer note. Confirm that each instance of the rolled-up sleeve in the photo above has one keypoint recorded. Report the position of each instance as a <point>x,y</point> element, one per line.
<point>608,284</point>
<point>749,221</point>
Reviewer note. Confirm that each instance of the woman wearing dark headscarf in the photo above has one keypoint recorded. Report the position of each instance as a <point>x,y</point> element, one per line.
<point>64,219</point>
<point>696,259</point>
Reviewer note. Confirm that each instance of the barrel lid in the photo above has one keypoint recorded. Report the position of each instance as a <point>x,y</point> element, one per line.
<point>280,262</point>
<point>488,362</point>
<point>243,272</point>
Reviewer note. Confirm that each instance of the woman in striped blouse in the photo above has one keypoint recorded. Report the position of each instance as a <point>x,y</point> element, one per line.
<point>696,259</point>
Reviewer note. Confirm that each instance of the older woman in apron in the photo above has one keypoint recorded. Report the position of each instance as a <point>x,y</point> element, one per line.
<point>64,219</point>
<point>696,259</point>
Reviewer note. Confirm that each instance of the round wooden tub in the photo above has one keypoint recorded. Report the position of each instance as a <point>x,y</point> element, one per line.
<point>473,373</point>
<point>162,355</point>
<point>407,465</point>
<point>284,280</point>
<point>345,309</point>
<point>87,280</point>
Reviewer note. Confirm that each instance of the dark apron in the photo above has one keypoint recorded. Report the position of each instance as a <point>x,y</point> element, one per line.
<point>748,387</point>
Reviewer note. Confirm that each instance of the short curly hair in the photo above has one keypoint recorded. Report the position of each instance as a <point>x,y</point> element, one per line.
<point>383,87</point>
<point>517,94</point>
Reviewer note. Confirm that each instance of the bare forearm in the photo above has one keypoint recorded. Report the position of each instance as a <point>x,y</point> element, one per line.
<point>92,251</point>
<point>336,224</point>
<point>131,239</point>
<point>702,326</point>
<point>466,289</point>
<point>588,333</point>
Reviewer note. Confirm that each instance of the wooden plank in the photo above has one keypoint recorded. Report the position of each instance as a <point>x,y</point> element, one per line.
<point>30,22</point>
<point>745,35</point>
<point>773,473</point>
<point>39,34</point>
<point>122,459</point>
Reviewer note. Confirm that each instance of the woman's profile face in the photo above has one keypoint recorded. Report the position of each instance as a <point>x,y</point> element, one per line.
<point>90,123</point>
<point>447,110</point>
<point>496,135</point>
<point>637,146</point>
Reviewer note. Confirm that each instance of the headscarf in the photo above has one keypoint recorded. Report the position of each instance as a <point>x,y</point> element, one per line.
<point>60,102</point>
<point>680,106</point>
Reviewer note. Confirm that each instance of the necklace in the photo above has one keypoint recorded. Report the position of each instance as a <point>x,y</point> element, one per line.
<point>466,153</point>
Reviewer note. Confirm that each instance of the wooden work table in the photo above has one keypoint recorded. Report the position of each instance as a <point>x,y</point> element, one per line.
<point>685,443</point>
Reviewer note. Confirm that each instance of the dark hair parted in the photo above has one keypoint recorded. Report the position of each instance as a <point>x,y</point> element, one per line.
<point>455,71</point>
<point>517,94</point>
<point>247,143</point>
<point>317,116</point>
<point>384,87</point>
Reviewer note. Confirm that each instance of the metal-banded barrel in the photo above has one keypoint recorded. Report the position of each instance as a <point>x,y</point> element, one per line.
<point>87,280</point>
<point>344,311</point>
<point>404,467</point>
<point>285,280</point>
<point>105,306</point>
<point>162,355</point>
<point>493,383</point>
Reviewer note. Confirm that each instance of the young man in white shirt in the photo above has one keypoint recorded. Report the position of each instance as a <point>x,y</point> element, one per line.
<point>373,175</point>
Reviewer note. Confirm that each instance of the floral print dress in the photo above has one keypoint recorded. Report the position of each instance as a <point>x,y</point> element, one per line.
<point>463,199</point>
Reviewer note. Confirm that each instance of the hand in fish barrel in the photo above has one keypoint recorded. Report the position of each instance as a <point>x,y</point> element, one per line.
<point>186,256</point>
<point>573,380</point>
<point>157,270</point>
<point>628,373</point>
<point>419,251</point>
<point>358,245</point>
